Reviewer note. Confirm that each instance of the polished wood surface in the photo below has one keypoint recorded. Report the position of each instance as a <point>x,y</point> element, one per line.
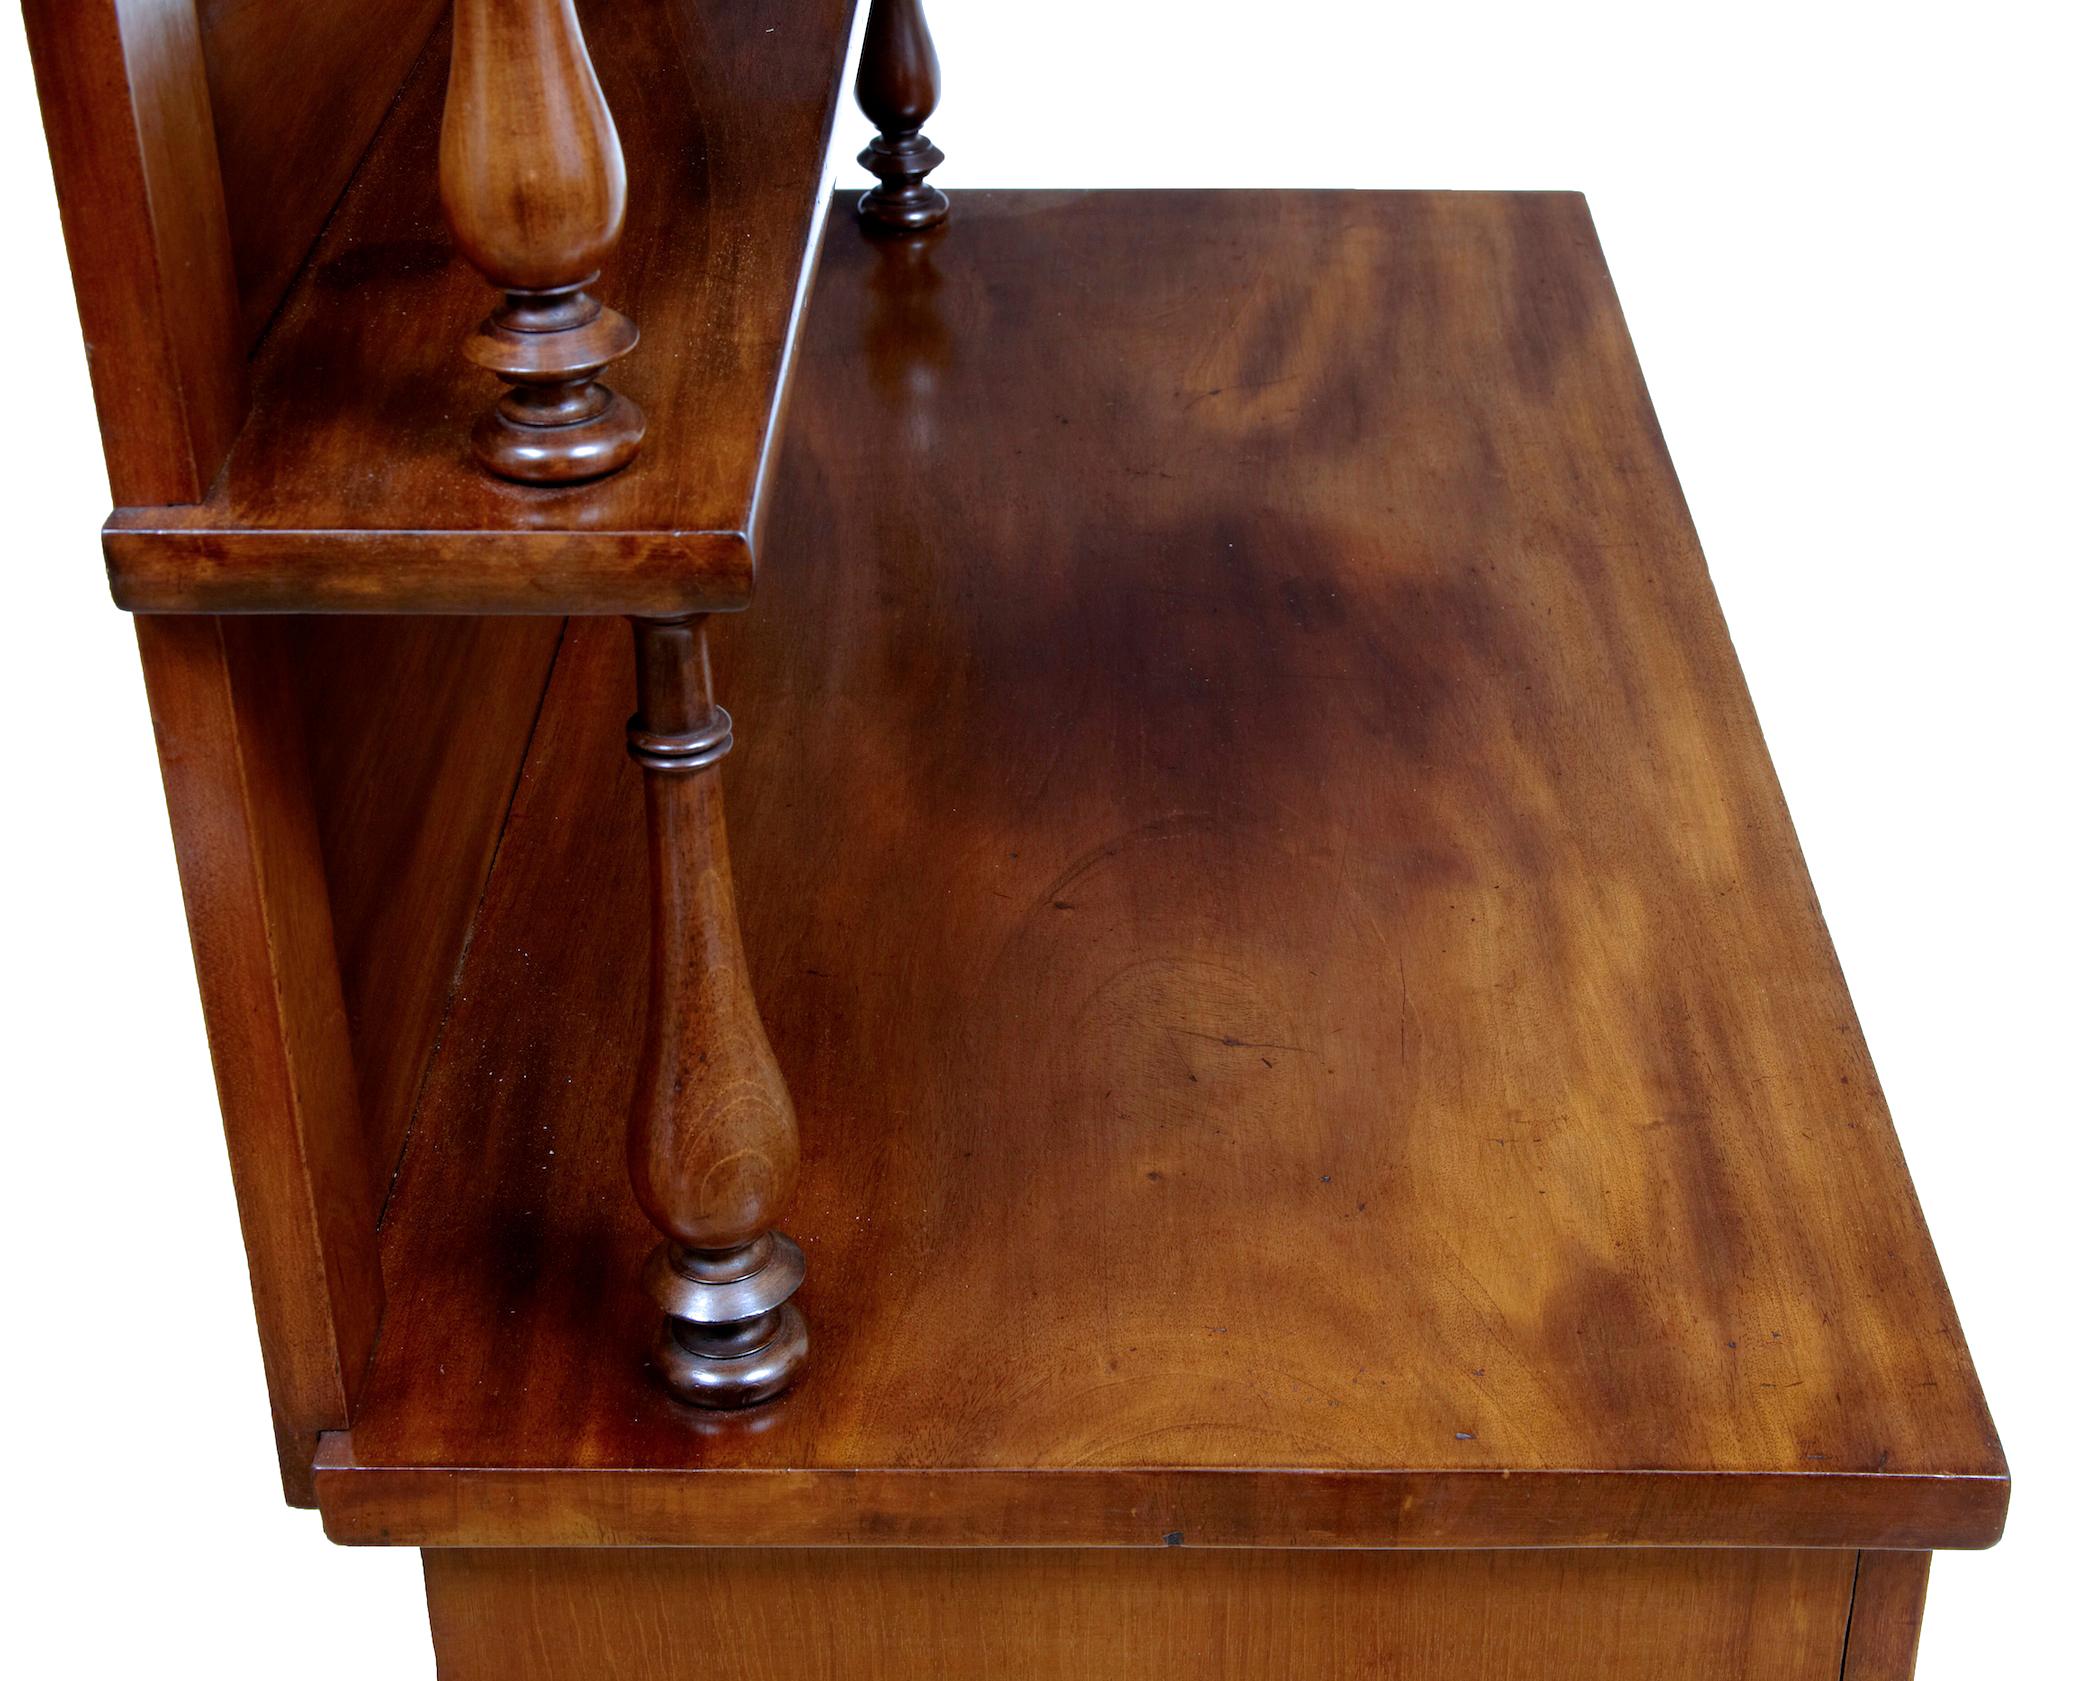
<point>724,114</point>
<point>898,82</point>
<point>414,730</point>
<point>1885,1616</point>
<point>296,92</point>
<point>1087,1615</point>
<point>713,1144</point>
<point>126,111</point>
<point>1307,1015</point>
<point>253,878</point>
<point>533,189</point>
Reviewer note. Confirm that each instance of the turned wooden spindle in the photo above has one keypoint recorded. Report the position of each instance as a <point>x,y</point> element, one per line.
<point>713,1139</point>
<point>533,186</point>
<point>897,84</point>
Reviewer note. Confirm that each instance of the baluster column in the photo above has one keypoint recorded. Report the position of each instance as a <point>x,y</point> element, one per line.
<point>713,1136</point>
<point>533,187</point>
<point>898,82</point>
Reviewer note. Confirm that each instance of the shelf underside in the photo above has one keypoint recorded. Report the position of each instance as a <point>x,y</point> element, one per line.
<point>1308,1016</point>
<point>351,487</point>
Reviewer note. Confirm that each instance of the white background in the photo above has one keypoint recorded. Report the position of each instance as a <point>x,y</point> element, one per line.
<point>1848,241</point>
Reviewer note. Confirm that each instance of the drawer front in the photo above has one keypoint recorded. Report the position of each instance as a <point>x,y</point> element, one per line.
<point>1110,1615</point>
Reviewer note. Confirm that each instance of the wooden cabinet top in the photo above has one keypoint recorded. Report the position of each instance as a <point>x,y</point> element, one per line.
<point>1308,1013</point>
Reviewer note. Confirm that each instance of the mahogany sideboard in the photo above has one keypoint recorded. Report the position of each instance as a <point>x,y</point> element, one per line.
<point>1263,1092</point>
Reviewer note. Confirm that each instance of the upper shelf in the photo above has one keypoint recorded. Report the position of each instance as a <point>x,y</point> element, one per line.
<point>1307,1015</point>
<point>351,487</point>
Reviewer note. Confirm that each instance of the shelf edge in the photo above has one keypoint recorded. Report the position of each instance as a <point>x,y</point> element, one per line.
<point>158,565</point>
<point>896,1507</point>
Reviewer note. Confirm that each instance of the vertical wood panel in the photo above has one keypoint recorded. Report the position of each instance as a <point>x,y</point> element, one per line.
<point>415,730</point>
<point>261,928</point>
<point>1885,1616</point>
<point>127,114</point>
<point>298,88</point>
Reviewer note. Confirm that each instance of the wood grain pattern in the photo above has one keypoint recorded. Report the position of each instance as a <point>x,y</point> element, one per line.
<point>126,111</point>
<point>1307,1015</point>
<point>296,92</point>
<point>1885,1616</point>
<point>251,874</point>
<point>724,114</point>
<point>677,1615</point>
<point>414,730</point>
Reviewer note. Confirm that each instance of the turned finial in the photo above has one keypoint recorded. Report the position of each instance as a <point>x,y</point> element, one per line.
<point>533,186</point>
<point>713,1138</point>
<point>897,84</point>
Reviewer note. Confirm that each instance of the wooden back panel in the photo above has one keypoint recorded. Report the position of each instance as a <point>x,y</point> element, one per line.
<point>414,731</point>
<point>198,148</point>
<point>297,88</point>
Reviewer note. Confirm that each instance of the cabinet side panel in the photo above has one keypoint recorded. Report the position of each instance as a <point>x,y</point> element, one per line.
<point>1885,1616</point>
<point>133,151</point>
<point>1174,1614</point>
<point>260,924</point>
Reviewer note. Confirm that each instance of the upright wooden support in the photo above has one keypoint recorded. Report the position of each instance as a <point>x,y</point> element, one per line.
<point>897,85</point>
<point>533,186</point>
<point>1885,1616</point>
<point>224,710</point>
<point>126,107</point>
<point>713,1139</point>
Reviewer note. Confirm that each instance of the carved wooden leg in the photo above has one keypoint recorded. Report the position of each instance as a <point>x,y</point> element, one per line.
<point>897,85</point>
<point>533,186</point>
<point>713,1141</point>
